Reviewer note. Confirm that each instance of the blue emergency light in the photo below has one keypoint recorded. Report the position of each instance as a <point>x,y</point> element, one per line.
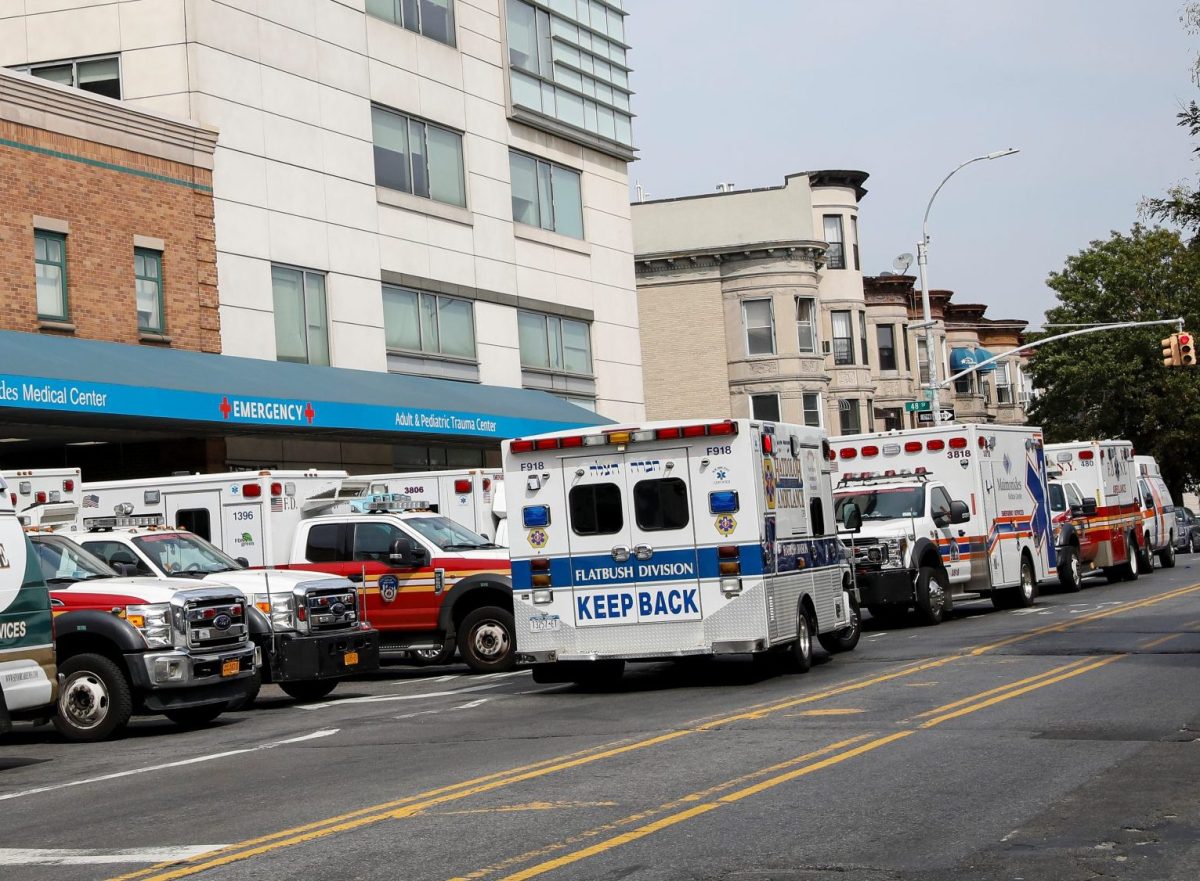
<point>535,515</point>
<point>723,502</point>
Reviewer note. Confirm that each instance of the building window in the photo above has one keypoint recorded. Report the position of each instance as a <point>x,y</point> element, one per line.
<point>432,18</point>
<point>907,349</point>
<point>835,257</point>
<point>870,414</point>
<point>764,407</point>
<point>862,337</point>
<point>759,319</point>
<point>812,409</point>
<point>546,195</point>
<point>552,343</point>
<point>301,325</point>
<point>418,157</point>
<point>568,63</point>
<point>806,324</point>
<point>100,76</point>
<point>843,338</point>
<point>147,274</point>
<point>854,241</point>
<point>417,321</point>
<point>886,337</point>
<point>849,416</point>
<point>890,418</point>
<point>923,360</point>
<point>965,385</point>
<point>50,261</point>
<point>1004,391</point>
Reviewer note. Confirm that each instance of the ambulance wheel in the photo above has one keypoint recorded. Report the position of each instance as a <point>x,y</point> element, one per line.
<point>95,701</point>
<point>1191,544</point>
<point>1145,556</point>
<point>195,717</point>
<point>1070,572</point>
<point>1166,557</point>
<point>802,649</point>
<point>1132,567</point>
<point>486,640</point>
<point>845,639</point>
<point>931,595</point>
<point>1023,595</point>
<point>309,690</point>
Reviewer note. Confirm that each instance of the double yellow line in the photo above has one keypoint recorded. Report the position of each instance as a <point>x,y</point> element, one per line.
<point>419,803</point>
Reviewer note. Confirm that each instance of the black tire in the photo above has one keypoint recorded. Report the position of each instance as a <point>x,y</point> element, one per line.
<point>1131,569</point>
<point>309,689</point>
<point>931,590</point>
<point>195,717</point>
<point>845,639</point>
<point>246,701</point>
<point>95,700</point>
<point>487,640</point>
<point>1023,595</point>
<point>1146,556</point>
<point>1166,557</point>
<point>1070,571</point>
<point>801,654</point>
<point>434,657</point>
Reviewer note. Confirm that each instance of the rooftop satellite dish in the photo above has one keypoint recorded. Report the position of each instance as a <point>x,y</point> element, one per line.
<point>901,263</point>
<point>886,274</point>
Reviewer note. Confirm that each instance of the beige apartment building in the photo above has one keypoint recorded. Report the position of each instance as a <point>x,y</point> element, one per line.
<point>753,303</point>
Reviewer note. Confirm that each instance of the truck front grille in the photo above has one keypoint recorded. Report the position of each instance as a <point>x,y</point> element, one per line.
<point>331,608</point>
<point>214,623</point>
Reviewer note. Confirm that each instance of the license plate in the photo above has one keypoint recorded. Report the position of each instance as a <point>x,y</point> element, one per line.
<point>541,625</point>
<point>351,658</point>
<point>231,667</point>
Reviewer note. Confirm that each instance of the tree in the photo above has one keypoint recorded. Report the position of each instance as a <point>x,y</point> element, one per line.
<point>1181,205</point>
<point>1113,384</point>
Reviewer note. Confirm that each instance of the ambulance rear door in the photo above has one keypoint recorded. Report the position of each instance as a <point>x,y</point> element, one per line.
<point>198,512</point>
<point>603,586</point>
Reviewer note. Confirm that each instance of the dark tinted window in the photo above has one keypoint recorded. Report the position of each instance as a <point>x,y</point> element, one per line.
<point>195,520</point>
<point>816,517</point>
<point>596,509</point>
<point>939,501</point>
<point>373,541</point>
<point>660,504</point>
<point>323,543</point>
<point>110,550</point>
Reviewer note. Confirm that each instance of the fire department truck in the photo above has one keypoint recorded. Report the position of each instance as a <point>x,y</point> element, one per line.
<point>1158,513</point>
<point>1105,474</point>
<point>675,539</point>
<point>473,497</point>
<point>1077,547</point>
<point>949,512</point>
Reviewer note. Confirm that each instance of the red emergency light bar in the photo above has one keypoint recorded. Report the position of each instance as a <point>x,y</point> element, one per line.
<point>958,443</point>
<point>870,451</point>
<point>276,489</point>
<point>668,433</point>
<point>935,445</point>
<point>546,443</point>
<point>913,447</point>
<point>848,453</point>
<point>712,429</point>
<point>768,444</point>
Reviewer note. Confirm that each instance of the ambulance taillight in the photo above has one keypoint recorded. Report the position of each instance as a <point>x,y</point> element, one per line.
<point>913,447</point>
<point>251,491</point>
<point>276,489</point>
<point>869,451</point>
<point>958,443</point>
<point>935,445</point>
<point>462,486</point>
<point>68,485</point>
<point>730,565</point>
<point>40,497</point>
<point>1086,454</point>
<point>848,452</point>
<point>541,581</point>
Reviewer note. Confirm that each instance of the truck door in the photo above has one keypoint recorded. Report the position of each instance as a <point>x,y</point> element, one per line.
<point>198,512</point>
<point>397,597</point>
<point>663,536</point>
<point>603,584</point>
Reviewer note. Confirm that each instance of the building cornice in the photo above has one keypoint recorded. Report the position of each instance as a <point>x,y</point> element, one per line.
<point>707,258</point>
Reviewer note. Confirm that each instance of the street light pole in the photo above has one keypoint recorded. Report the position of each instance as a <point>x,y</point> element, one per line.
<point>931,388</point>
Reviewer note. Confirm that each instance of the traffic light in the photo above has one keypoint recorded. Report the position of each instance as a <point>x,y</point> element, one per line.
<point>1171,353</point>
<point>1186,346</point>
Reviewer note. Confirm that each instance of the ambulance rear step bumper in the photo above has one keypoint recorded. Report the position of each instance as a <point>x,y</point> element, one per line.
<point>738,647</point>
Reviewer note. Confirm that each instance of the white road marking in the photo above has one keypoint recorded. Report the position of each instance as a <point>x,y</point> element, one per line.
<point>195,760</point>
<point>36,856</point>
<point>386,698</point>
<point>466,706</point>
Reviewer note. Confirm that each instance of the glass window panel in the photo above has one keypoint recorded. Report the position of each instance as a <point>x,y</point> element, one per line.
<point>621,100</point>
<point>563,29</point>
<point>886,334</point>
<point>554,342</point>
<point>101,76</point>
<point>139,265</point>
<point>531,332</point>
<point>416,148</point>
<point>604,93</point>
<point>806,332</point>
<point>523,171</point>
<point>385,9</point>
<point>545,196</point>
<point>843,338</point>
<point>568,55</point>
<point>572,80</point>
<point>850,417</point>
<point>401,320</point>
<point>54,249</point>
<point>563,7</point>
<point>624,130</point>
<point>548,102</point>
<point>40,246</point>
<point>437,21</point>
<point>50,291</point>
<point>63,74</point>
<point>608,122</point>
<point>660,505</point>
<point>522,36</point>
<point>148,305</point>
<point>568,202</point>
<point>570,108</point>
<point>324,543</point>
<point>812,409</point>
<point>596,509</point>
<point>760,330</point>
<point>392,167</point>
<point>287,286</point>
<point>581,12</point>
<point>409,16</point>
<point>590,120</point>
<point>429,325</point>
<point>446,182</point>
<point>764,407</point>
<point>835,257</point>
<point>616,25</point>
<point>314,303</point>
<point>577,349</point>
<point>620,78</point>
<point>526,91</point>
<point>862,336</point>
<point>545,54</point>
<point>457,327</point>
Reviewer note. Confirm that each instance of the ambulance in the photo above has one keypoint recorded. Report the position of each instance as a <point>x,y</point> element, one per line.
<point>949,512</point>
<point>674,539</point>
<point>44,496</point>
<point>472,497</point>
<point>1105,474</point>
<point>1158,515</point>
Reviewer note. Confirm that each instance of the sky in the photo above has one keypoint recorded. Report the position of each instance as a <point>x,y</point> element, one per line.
<point>750,91</point>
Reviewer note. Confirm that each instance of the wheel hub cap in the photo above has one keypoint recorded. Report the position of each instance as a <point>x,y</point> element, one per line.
<point>85,700</point>
<point>490,639</point>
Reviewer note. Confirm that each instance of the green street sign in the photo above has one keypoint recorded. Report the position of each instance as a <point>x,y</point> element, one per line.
<point>916,406</point>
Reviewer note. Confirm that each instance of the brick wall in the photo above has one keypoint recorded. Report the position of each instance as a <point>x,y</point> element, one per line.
<point>684,359</point>
<point>107,196</point>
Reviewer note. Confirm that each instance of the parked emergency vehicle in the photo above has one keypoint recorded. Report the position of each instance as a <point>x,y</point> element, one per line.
<point>45,496</point>
<point>473,497</point>
<point>1158,514</point>
<point>948,512</point>
<point>1075,541</point>
<point>673,539</point>
<point>28,680</point>
<point>1104,472</point>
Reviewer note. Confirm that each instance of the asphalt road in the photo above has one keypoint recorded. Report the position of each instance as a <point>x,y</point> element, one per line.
<point>1060,742</point>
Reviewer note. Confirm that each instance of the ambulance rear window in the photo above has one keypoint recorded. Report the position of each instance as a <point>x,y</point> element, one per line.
<point>195,520</point>
<point>596,509</point>
<point>660,504</point>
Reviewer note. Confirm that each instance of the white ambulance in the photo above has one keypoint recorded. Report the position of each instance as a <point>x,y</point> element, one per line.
<point>1111,537</point>
<point>672,539</point>
<point>1158,514</point>
<point>44,497</point>
<point>949,512</point>
<point>472,497</point>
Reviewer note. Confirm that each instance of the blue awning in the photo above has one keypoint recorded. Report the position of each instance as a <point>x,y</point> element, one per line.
<point>982,355</point>
<point>70,376</point>
<point>962,359</point>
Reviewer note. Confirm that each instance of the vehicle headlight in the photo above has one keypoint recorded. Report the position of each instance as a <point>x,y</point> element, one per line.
<point>895,553</point>
<point>278,607</point>
<point>153,621</point>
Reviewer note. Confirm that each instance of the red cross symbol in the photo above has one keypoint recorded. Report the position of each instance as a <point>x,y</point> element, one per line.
<point>225,408</point>
<point>309,413</point>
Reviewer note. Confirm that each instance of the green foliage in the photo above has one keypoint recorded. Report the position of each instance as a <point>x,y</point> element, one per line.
<point>1113,384</point>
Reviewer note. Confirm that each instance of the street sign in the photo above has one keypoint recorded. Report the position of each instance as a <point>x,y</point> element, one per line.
<point>916,406</point>
<point>926,418</point>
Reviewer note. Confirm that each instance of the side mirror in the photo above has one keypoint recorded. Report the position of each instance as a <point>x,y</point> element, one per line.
<point>122,558</point>
<point>404,553</point>
<point>1087,508</point>
<point>959,512</point>
<point>851,517</point>
<point>125,570</point>
<point>243,562</point>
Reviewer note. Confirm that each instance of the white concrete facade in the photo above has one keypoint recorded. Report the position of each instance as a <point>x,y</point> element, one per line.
<point>290,85</point>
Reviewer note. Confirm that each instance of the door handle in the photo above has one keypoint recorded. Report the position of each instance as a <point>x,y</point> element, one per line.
<point>643,552</point>
<point>356,578</point>
<point>620,553</point>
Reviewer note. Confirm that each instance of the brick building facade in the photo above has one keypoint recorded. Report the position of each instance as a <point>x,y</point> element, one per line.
<point>107,229</point>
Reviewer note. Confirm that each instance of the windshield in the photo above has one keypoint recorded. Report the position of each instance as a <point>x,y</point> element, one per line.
<point>1058,499</point>
<point>64,562</point>
<point>446,534</point>
<point>184,555</point>
<point>884,504</point>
